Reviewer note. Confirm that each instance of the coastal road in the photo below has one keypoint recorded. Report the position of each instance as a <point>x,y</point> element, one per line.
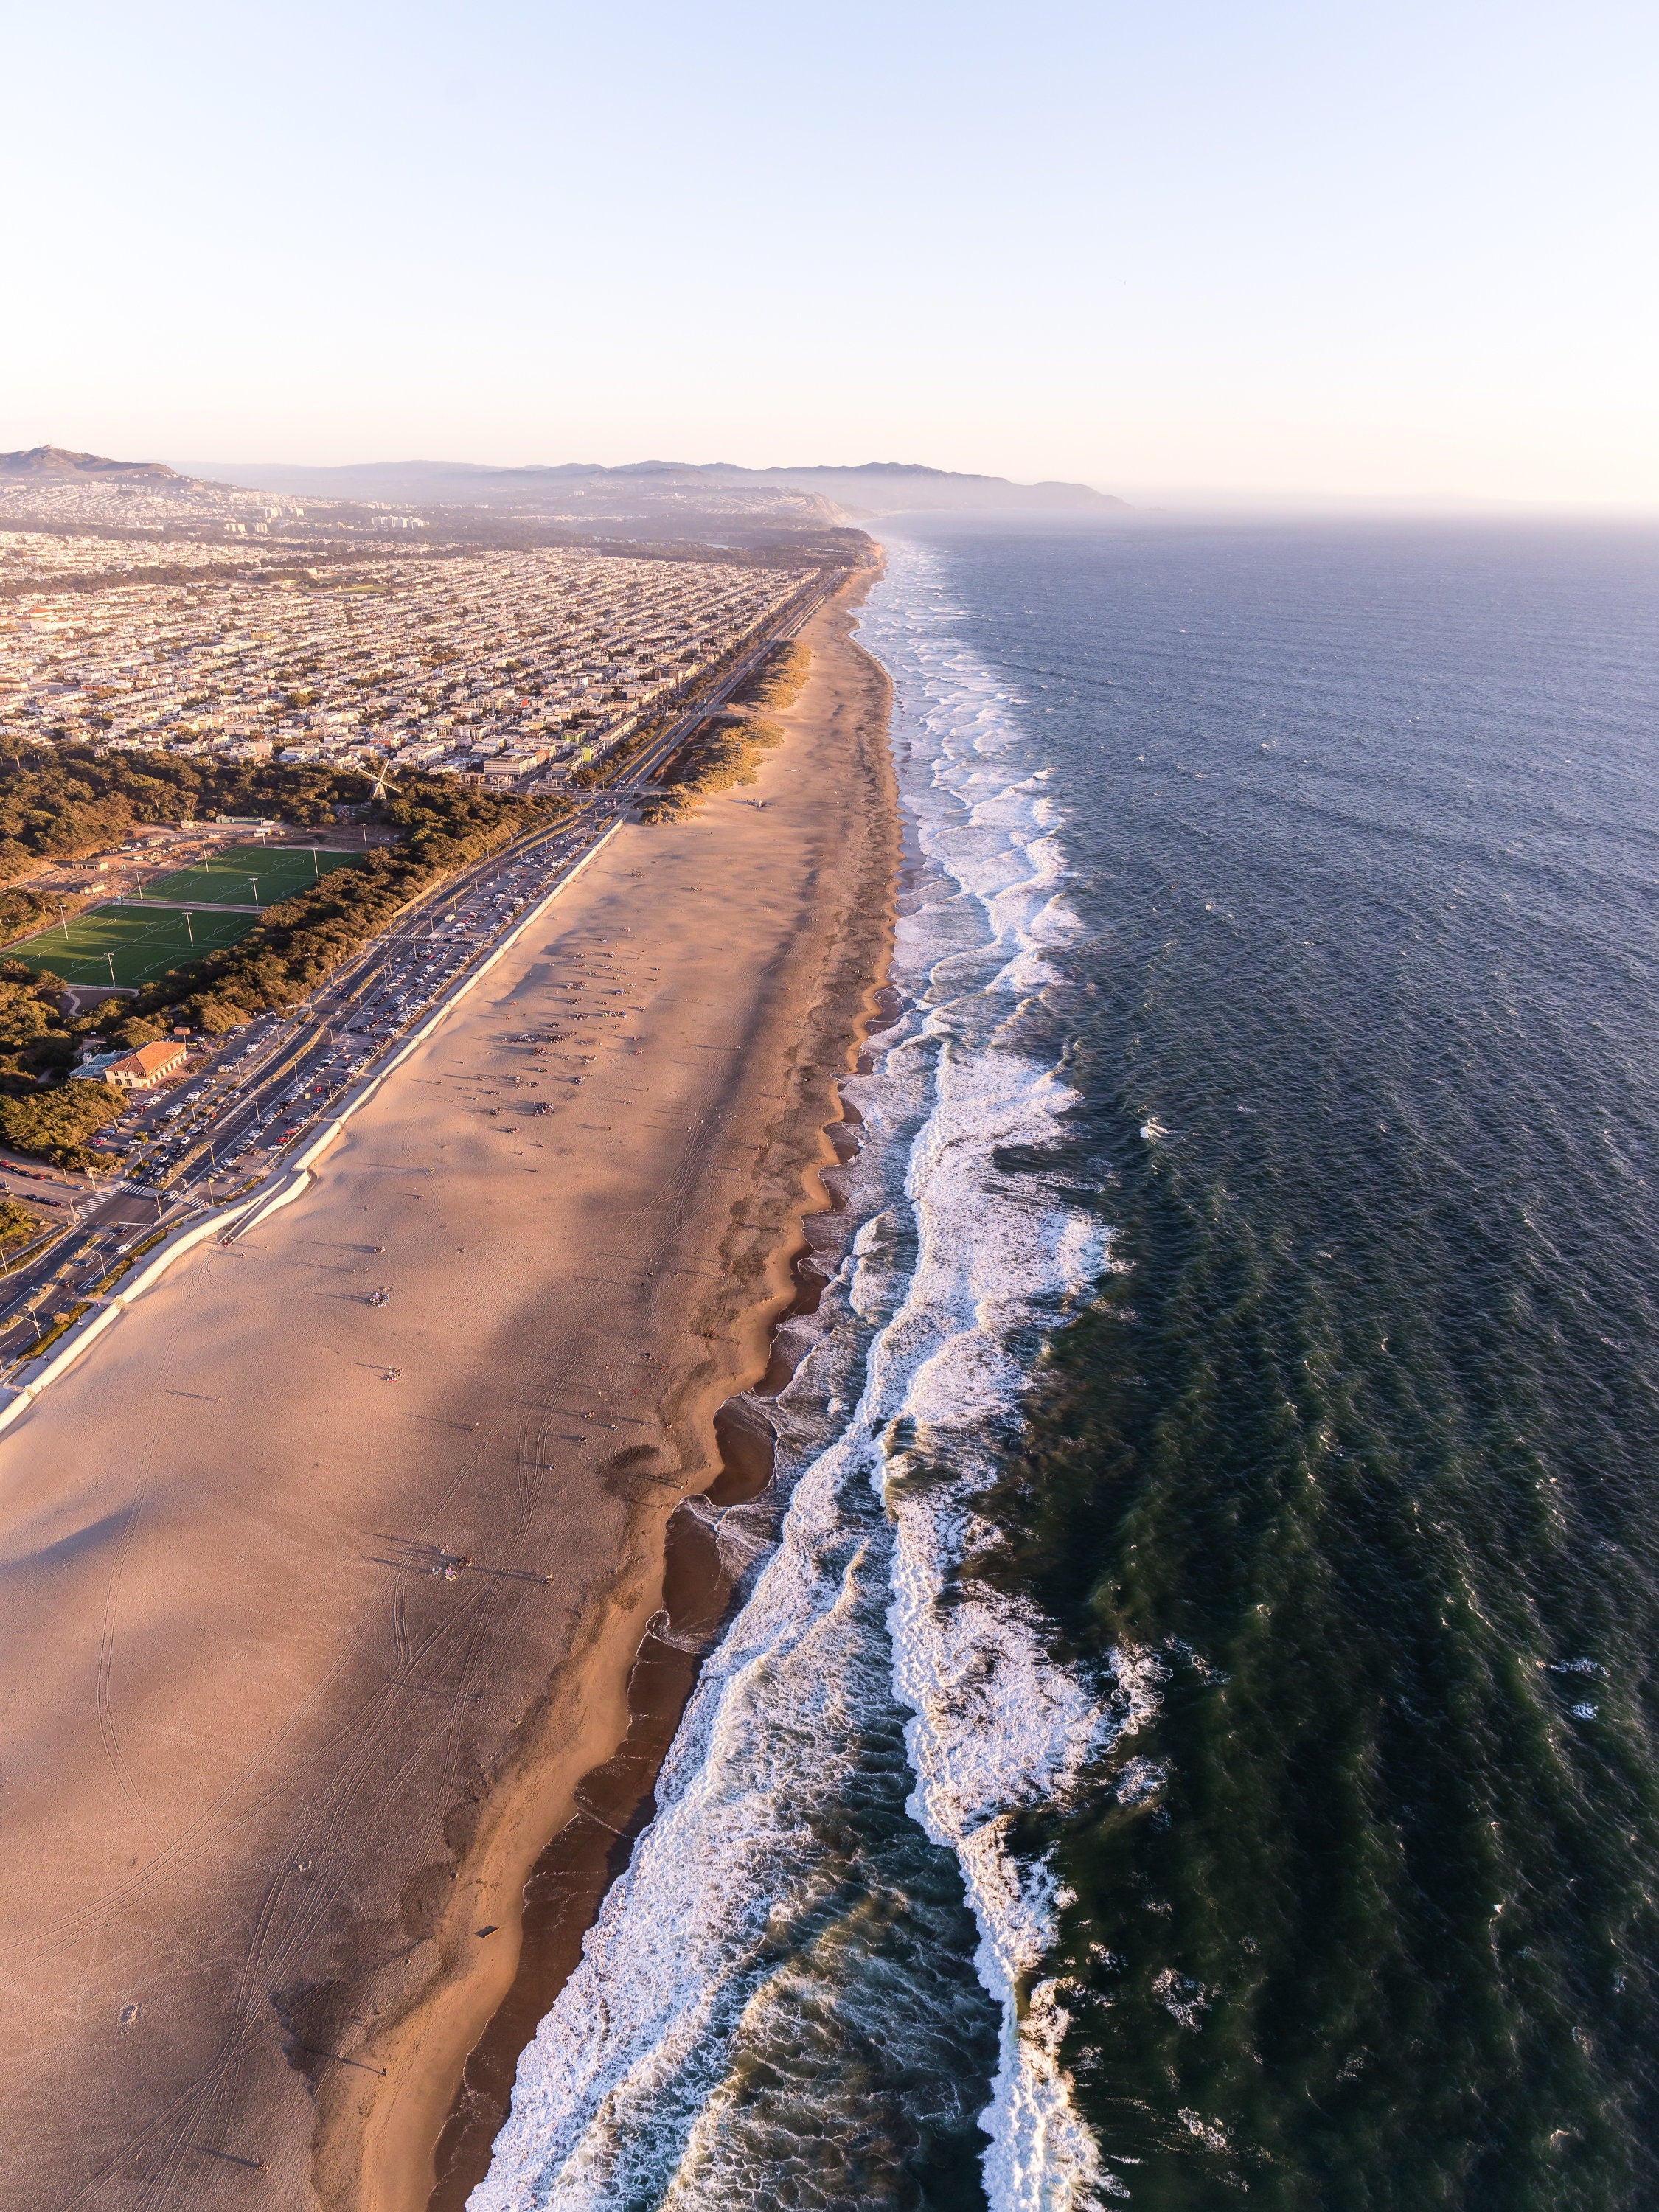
<point>263,1091</point>
<point>271,1769</point>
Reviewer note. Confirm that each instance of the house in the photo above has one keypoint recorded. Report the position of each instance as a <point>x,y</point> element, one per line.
<point>150,1065</point>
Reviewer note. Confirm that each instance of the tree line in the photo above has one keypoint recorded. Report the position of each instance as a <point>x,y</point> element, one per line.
<point>442,825</point>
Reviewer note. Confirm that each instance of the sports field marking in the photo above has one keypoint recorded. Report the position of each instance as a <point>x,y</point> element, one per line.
<point>249,875</point>
<point>128,945</point>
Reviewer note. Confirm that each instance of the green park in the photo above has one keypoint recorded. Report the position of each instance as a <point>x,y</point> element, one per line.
<point>193,910</point>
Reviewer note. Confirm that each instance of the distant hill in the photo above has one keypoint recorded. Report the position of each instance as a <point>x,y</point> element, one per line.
<point>58,461</point>
<point>894,487</point>
<point>873,488</point>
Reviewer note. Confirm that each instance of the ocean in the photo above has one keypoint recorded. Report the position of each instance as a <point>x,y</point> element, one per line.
<point>1187,1733</point>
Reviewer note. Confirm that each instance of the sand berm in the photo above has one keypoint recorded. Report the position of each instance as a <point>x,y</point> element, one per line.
<point>265,1774</point>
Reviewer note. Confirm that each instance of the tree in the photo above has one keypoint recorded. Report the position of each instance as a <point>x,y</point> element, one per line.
<point>53,1124</point>
<point>17,1225</point>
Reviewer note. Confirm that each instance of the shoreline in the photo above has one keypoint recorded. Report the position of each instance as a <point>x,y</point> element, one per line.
<point>270,1772</point>
<point>393,2148</point>
<point>614,1801</point>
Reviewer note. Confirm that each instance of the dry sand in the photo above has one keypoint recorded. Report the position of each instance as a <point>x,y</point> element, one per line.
<point>265,1774</point>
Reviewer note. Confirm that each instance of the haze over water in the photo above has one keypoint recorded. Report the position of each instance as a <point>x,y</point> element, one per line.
<point>1226,1476</point>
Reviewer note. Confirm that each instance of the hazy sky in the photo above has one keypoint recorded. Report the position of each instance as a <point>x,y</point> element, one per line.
<point>1404,250</point>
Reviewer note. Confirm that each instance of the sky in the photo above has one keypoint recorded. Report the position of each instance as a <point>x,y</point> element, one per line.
<point>1185,249</point>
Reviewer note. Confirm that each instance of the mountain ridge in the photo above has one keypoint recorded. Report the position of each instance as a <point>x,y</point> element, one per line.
<point>883,486</point>
<point>60,461</point>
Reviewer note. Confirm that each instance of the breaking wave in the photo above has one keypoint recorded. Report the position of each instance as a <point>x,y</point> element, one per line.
<point>821,1978</point>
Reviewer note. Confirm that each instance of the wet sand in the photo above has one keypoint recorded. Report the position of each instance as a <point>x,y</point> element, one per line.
<point>267,1776</point>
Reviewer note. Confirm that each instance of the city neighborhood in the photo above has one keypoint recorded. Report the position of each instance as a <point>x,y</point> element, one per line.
<point>511,668</point>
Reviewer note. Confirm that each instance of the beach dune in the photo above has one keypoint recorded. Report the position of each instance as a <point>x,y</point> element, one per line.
<point>318,1603</point>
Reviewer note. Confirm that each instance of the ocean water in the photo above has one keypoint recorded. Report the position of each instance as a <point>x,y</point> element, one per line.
<point>1188,1732</point>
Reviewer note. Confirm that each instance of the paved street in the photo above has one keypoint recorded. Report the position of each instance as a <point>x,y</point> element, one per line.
<point>264,1090</point>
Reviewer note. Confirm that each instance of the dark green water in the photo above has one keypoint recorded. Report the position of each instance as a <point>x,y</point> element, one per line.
<point>1364,1438</point>
<point>1250,1306</point>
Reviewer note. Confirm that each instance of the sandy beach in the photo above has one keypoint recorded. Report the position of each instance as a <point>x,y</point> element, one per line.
<point>271,1780</point>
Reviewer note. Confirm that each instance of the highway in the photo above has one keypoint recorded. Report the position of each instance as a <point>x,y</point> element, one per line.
<point>225,1131</point>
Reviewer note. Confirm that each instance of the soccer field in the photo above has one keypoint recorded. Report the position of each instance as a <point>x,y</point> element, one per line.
<point>128,944</point>
<point>248,875</point>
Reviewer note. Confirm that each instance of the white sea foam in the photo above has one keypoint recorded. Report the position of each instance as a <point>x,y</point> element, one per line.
<point>728,1930</point>
<point>997,1724</point>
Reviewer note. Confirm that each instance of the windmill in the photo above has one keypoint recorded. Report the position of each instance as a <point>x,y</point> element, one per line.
<point>382,785</point>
